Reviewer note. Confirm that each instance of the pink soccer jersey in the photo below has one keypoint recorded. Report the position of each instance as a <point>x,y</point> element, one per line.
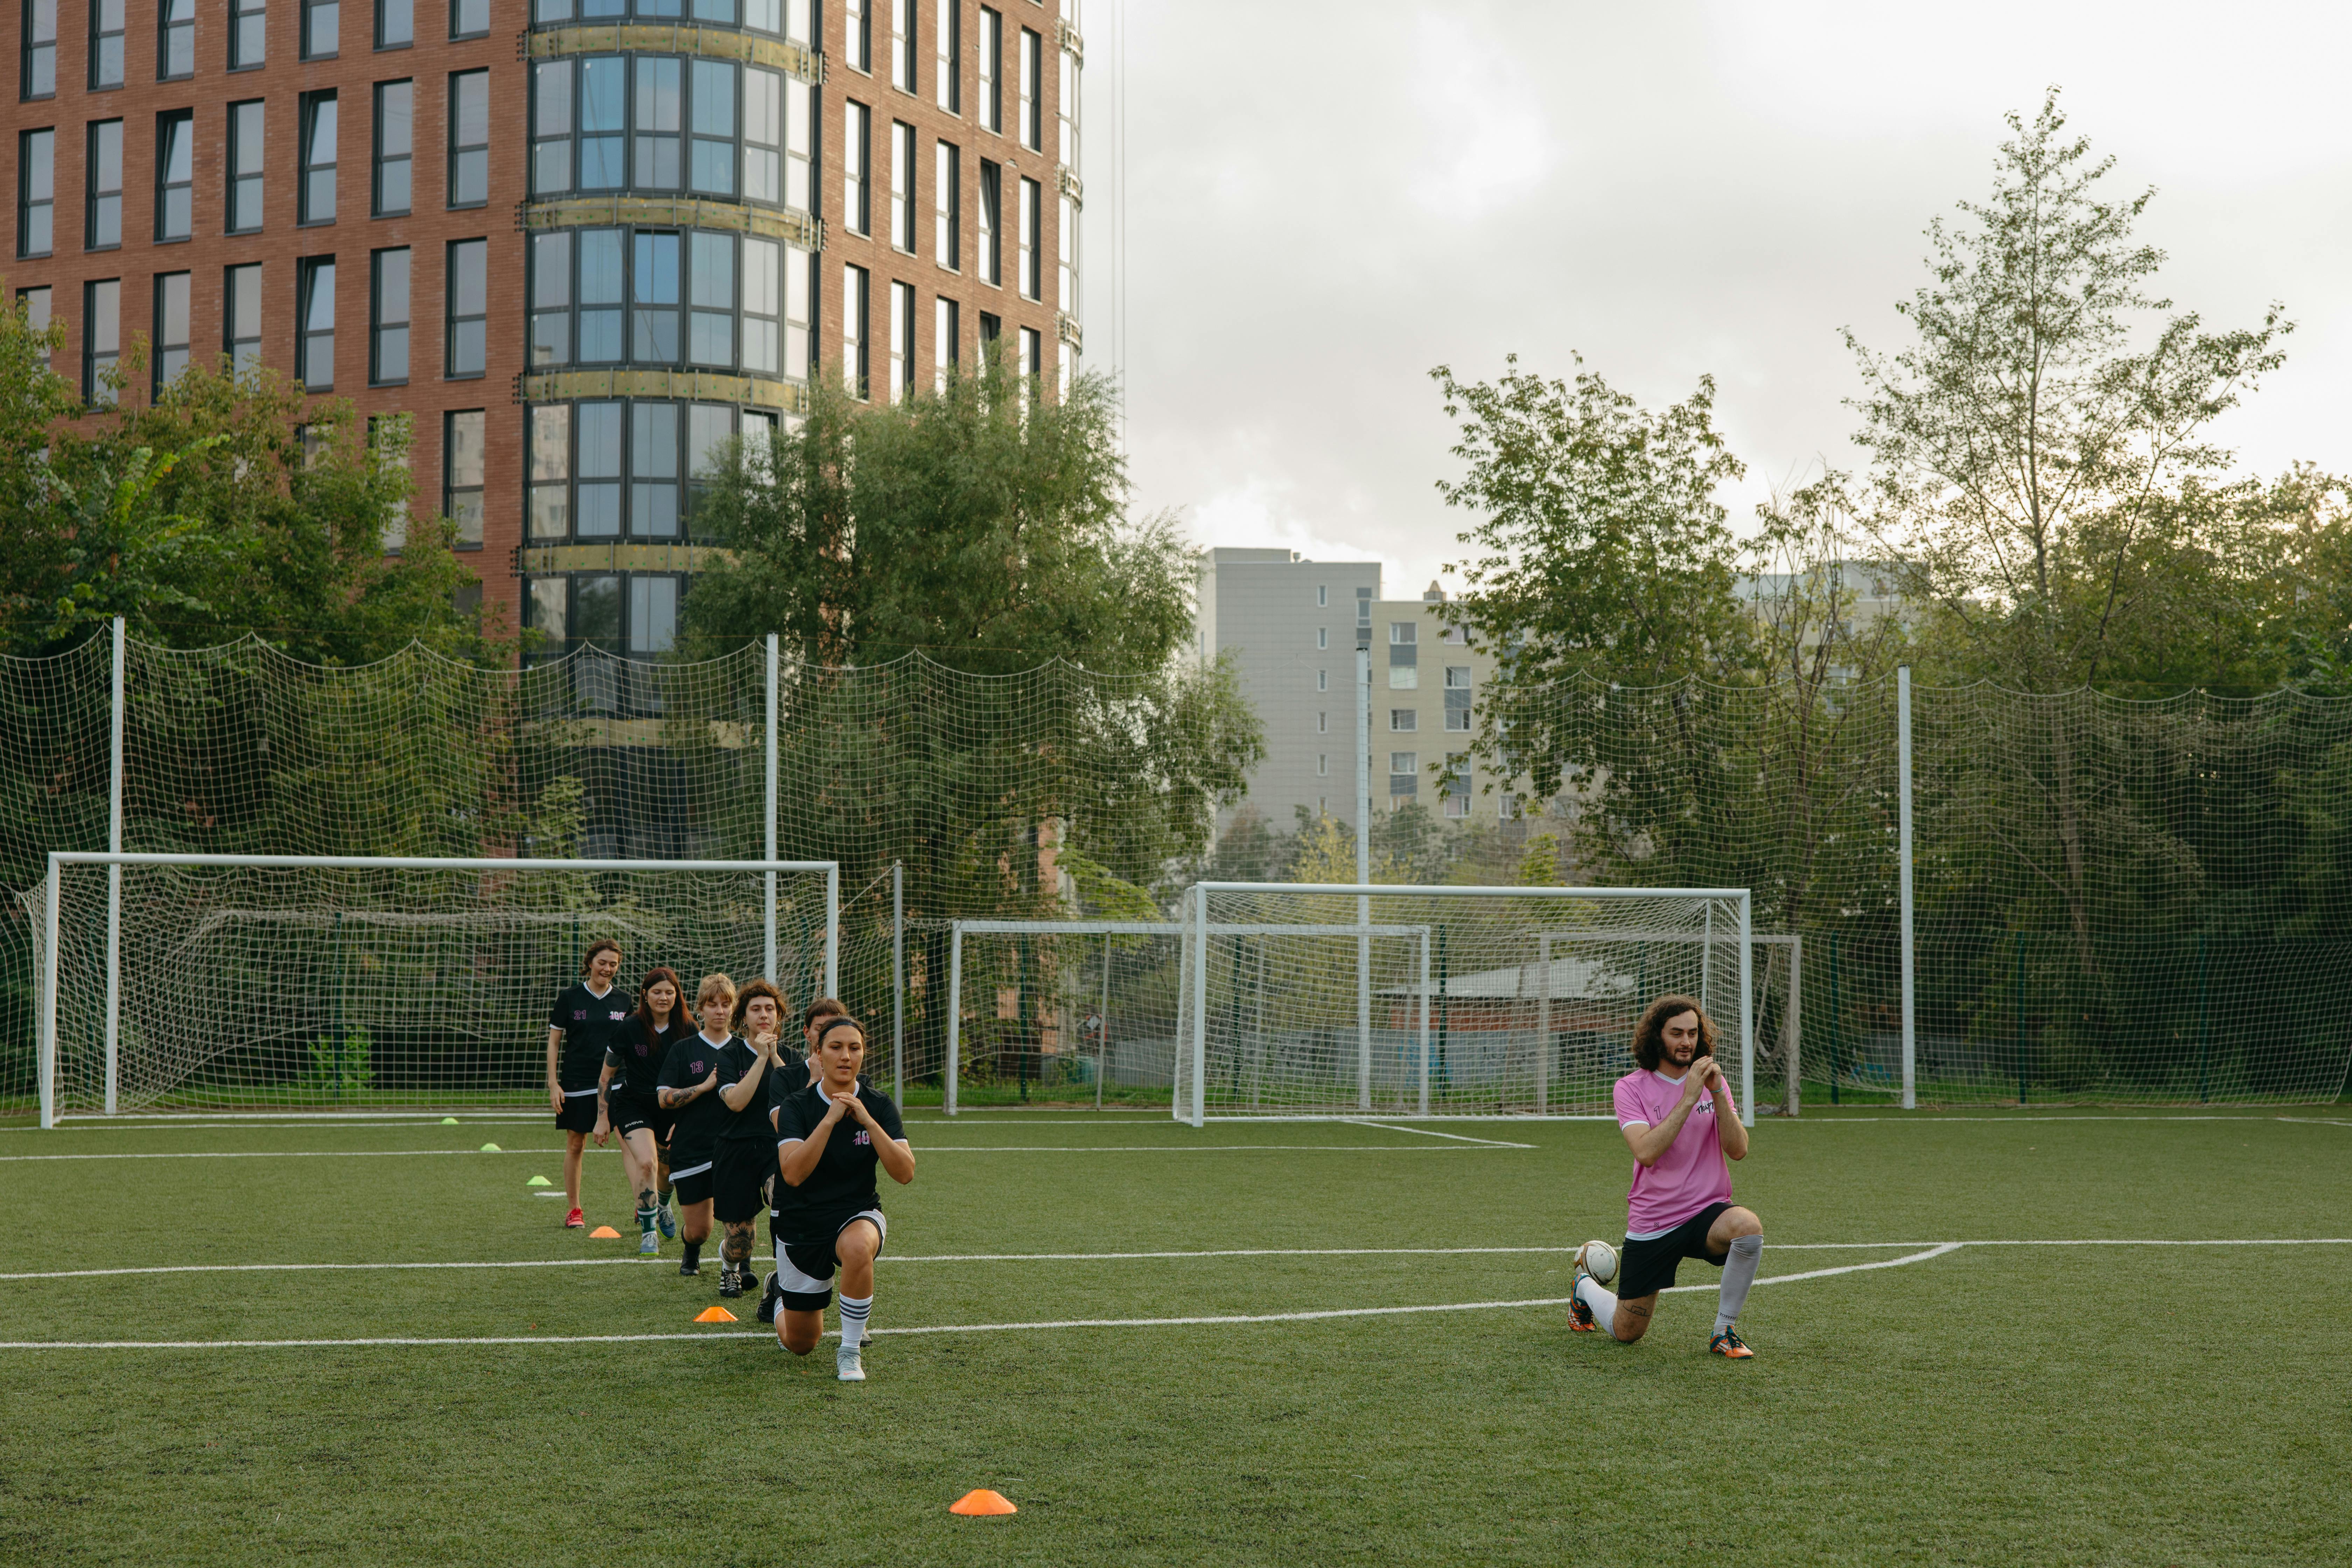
<point>1691,1174</point>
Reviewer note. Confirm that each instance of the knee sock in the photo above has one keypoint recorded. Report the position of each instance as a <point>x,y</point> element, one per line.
<point>1603,1305</point>
<point>645,1211</point>
<point>1738,1274</point>
<point>854,1311</point>
<point>694,1254</point>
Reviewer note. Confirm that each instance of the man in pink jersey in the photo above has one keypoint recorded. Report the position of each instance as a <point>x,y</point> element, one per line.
<point>1681,1119</point>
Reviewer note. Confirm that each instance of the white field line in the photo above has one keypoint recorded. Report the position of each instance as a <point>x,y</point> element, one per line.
<point>1433,1132</point>
<point>1928,1118</point>
<point>1163,1256</point>
<point>920,1148</point>
<point>1308,1316</point>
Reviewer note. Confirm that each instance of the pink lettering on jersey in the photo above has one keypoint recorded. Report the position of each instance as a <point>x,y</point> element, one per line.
<point>863,1137</point>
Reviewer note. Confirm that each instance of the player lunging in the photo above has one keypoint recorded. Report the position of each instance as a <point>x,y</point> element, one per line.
<point>628,1102</point>
<point>690,1092</point>
<point>1680,1205</point>
<point>746,1155</point>
<point>828,1214</point>
<point>585,1022</point>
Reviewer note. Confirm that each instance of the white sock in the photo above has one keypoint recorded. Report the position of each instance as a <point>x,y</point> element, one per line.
<point>854,1310</point>
<point>1738,1274</point>
<point>1603,1304</point>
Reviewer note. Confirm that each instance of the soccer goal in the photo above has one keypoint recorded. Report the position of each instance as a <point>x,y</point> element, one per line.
<point>254,982</point>
<point>1343,1000</point>
<point>1081,1008</point>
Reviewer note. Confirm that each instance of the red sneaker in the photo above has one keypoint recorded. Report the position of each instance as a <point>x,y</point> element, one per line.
<point>574,1220</point>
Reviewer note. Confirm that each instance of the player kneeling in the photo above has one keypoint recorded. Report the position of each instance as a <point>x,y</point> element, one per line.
<point>828,1216</point>
<point>1680,1205</point>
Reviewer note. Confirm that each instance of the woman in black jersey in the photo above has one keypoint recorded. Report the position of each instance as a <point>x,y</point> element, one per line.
<point>587,1016</point>
<point>689,1091</point>
<point>746,1156</point>
<point>626,1102</point>
<point>830,1137</point>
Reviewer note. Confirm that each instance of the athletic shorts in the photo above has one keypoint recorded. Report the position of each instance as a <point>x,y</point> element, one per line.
<point>629,1112</point>
<point>692,1184</point>
<point>1647,1268</point>
<point>740,1179</point>
<point>579,1113</point>
<point>804,1269</point>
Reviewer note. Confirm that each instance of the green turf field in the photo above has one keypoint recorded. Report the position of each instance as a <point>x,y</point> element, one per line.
<point>2079,1404</point>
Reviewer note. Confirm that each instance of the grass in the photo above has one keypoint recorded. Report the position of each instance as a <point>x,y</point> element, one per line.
<point>2018,1405</point>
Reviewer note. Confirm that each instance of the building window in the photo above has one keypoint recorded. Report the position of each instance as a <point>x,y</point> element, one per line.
<point>318,129</point>
<point>469,139</point>
<point>36,192</point>
<point>1033,66</point>
<point>653,469</point>
<point>395,146</point>
<point>902,44</point>
<point>709,427</point>
<point>604,123</point>
<point>321,25</point>
<point>902,187</point>
<point>764,138</point>
<point>175,135</point>
<point>992,71</point>
<point>241,317</point>
<point>661,88</point>
<point>35,303</point>
<point>1322,681</point>
<point>947,29</point>
<point>175,46</point>
<point>102,220</point>
<point>1404,720</point>
<point>101,340</point>
<point>652,298</point>
<point>629,126</point>
<point>1068,101</point>
<point>395,24</point>
<point>462,445</point>
<point>800,311</point>
<point>992,208</point>
<point>1065,248</point>
<point>314,316</point>
<point>602,295</point>
<point>1323,723</point>
<point>171,355</point>
<point>946,319</point>
<point>39,65</point>
<point>854,281</point>
<point>857,201</point>
<point>388,443</point>
<point>547,608</point>
<point>653,614</point>
<point>800,20</point>
<point>245,146</point>
<point>551,470</point>
<point>106,43</point>
<point>1322,594</point>
<point>1404,655</point>
<point>1032,200</point>
<point>1457,678</point>
<point>585,458</point>
<point>902,340</point>
<point>470,18</point>
<point>713,170</point>
<point>1405,773</point>
<point>468,293</point>
<point>1033,353</point>
<point>947,207</point>
<point>710,296</point>
<point>388,319</point>
<point>858,33</point>
<point>551,299</point>
<point>247,35</point>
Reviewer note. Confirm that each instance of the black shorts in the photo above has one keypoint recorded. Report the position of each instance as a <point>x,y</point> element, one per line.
<point>804,1269</point>
<point>691,1185</point>
<point>630,1111</point>
<point>579,1113</point>
<point>1647,1268</point>
<point>738,1193</point>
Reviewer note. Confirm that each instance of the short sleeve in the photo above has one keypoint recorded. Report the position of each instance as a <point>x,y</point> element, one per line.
<point>556,1016</point>
<point>1627,1096</point>
<point>673,1068</point>
<point>612,1056</point>
<point>792,1118</point>
<point>785,1082</point>
<point>885,1112</point>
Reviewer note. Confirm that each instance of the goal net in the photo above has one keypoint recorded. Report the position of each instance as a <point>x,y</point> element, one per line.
<point>1067,1010</point>
<point>255,983</point>
<point>1347,1001</point>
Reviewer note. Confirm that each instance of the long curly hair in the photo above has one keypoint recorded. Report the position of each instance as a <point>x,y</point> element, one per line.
<point>1650,1033</point>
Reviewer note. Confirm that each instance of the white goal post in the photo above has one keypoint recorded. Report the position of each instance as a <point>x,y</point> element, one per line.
<point>1284,1015</point>
<point>472,939</point>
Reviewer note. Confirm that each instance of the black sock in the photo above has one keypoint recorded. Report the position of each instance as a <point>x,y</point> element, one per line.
<point>693,1253</point>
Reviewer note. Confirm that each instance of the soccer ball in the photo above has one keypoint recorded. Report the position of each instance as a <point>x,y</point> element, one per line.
<point>1600,1262</point>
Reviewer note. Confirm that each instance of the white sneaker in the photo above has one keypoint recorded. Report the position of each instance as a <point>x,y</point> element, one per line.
<point>849,1364</point>
<point>648,1242</point>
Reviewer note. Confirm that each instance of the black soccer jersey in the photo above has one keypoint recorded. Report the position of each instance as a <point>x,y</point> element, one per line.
<point>751,1123</point>
<point>638,1050</point>
<point>591,1025</point>
<point>785,1082</point>
<point>693,1138</point>
<point>843,1182</point>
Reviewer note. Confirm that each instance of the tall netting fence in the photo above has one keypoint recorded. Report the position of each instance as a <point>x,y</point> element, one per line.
<point>242,986</point>
<point>2115,900</point>
<point>1440,1001</point>
<point>972,786</point>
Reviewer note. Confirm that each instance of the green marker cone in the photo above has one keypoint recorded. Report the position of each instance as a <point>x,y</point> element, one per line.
<point>448,1121</point>
<point>539,1181</point>
<point>492,1149</point>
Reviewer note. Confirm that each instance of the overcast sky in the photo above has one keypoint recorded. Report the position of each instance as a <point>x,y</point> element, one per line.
<point>1324,200</point>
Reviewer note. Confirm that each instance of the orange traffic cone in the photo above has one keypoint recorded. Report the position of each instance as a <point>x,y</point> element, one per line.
<point>714,1315</point>
<point>981,1504</point>
<point>604,1232</point>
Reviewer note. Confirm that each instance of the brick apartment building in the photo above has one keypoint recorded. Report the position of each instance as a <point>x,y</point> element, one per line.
<point>577,242</point>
